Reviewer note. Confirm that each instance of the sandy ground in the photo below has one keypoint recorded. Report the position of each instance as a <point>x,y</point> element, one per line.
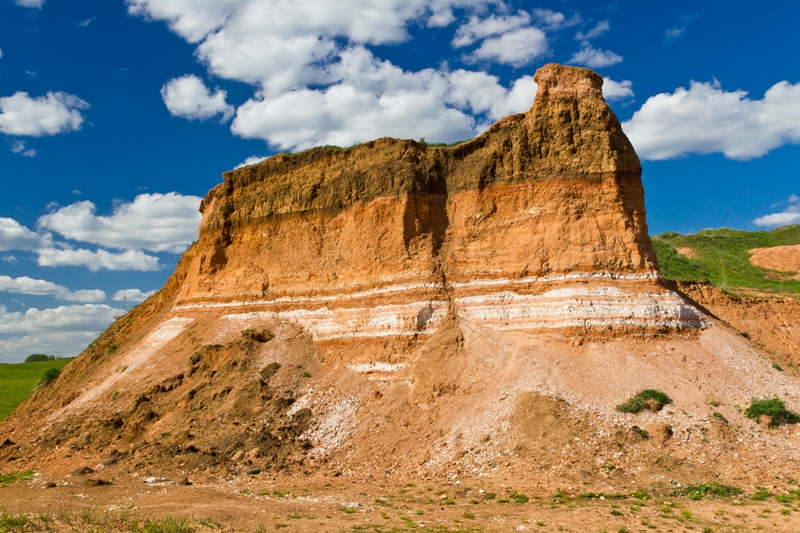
<point>256,504</point>
<point>784,258</point>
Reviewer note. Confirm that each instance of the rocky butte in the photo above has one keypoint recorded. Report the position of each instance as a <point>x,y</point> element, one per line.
<point>398,309</point>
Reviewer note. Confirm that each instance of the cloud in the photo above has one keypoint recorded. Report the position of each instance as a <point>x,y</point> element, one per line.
<point>99,260</point>
<point>553,20</point>
<point>316,82</point>
<point>678,31</point>
<point>18,147</point>
<point>595,58</point>
<point>382,101</point>
<point>65,330</point>
<point>52,114</point>
<point>790,215</point>
<point>36,4</point>
<point>189,98</point>
<point>617,90</point>
<point>252,160</point>
<point>599,29</point>
<point>705,119</point>
<point>516,48</point>
<point>155,222</point>
<point>85,23</point>
<point>1,53</point>
<point>132,295</point>
<point>674,33</point>
<point>589,55</point>
<point>506,39</point>
<point>15,236</point>
<point>477,28</point>
<point>481,94</point>
<point>40,287</point>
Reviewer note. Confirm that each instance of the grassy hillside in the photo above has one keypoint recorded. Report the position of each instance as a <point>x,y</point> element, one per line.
<point>18,381</point>
<point>722,258</point>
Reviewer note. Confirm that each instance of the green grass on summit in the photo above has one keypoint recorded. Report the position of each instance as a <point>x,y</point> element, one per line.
<point>723,258</point>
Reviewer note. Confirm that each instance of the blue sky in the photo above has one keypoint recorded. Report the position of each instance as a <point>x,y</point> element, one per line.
<point>117,116</point>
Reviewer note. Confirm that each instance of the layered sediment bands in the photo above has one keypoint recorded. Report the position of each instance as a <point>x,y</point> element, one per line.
<point>386,238</point>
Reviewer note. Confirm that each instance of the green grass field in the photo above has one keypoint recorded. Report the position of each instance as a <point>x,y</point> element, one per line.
<point>724,259</point>
<point>18,381</point>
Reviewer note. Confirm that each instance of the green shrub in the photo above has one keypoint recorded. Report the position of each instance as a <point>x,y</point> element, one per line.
<point>39,357</point>
<point>49,376</point>
<point>698,491</point>
<point>650,399</point>
<point>761,494</point>
<point>516,497</point>
<point>773,411</point>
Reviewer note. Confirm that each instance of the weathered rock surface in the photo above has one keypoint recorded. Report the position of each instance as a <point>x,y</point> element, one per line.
<point>399,309</point>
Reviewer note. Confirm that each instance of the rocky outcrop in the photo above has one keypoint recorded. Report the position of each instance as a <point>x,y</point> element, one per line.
<point>537,224</point>
<point>400,309</point>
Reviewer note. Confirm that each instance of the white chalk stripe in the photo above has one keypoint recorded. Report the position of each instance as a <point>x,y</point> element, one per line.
<point>422,285</point>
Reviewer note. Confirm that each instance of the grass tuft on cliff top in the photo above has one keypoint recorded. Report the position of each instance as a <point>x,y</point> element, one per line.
<point>723,259</point>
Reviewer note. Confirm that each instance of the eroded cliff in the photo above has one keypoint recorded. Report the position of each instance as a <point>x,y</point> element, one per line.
<point>399,309</point>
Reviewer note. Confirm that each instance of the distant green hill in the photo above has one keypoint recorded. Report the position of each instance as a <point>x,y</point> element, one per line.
<point>17,382</point>
<point>721,257</point>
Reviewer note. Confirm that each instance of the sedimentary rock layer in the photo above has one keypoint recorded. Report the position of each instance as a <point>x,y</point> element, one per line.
<point>539,223</point>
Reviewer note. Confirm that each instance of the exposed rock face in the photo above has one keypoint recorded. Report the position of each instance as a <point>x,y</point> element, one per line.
<point>435,310</point>
<point>537,224</point>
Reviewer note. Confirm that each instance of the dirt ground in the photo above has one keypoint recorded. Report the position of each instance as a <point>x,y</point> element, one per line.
<point>784,258</point>
<point>258,503</point>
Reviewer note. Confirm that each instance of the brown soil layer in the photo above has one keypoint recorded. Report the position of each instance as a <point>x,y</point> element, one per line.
<point>771,323</point>
<point>783,258</point>
<point>258,503</point>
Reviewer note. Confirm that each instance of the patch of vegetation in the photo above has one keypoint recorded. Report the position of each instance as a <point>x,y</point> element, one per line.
<point>440,145</point>
<point>112,348</point>
<point>723,258</point>
<point>39,357</point>
<point>13,476</point>
<point>261,335</point>
<point>516,497</point>
<point>650,399</point>
<point>168,524</point>
<point>761,494</point>
<point>17,382</point>
<point>699,491</point>
<point>774,412</point>
<point>49,376</point>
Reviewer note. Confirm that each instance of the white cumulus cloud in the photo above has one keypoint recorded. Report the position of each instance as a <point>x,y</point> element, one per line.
<point>52,114</point>
<point>252,160</point>
<point>65,330</point>
<point>40,287</point>
<point>507,39</point>
<point>595,58</point>
<point>188,97</point>
<point>99,260</point>
<point>589,55</point>
<point>617,90</point>
<point>705,119</point>
<point>15,236</point>
<point>132,295</point>
<point>790,215</point>
<point>36,4</point>
<point>316,82</point>
<point>156,222</point>
<point>18,147</point>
